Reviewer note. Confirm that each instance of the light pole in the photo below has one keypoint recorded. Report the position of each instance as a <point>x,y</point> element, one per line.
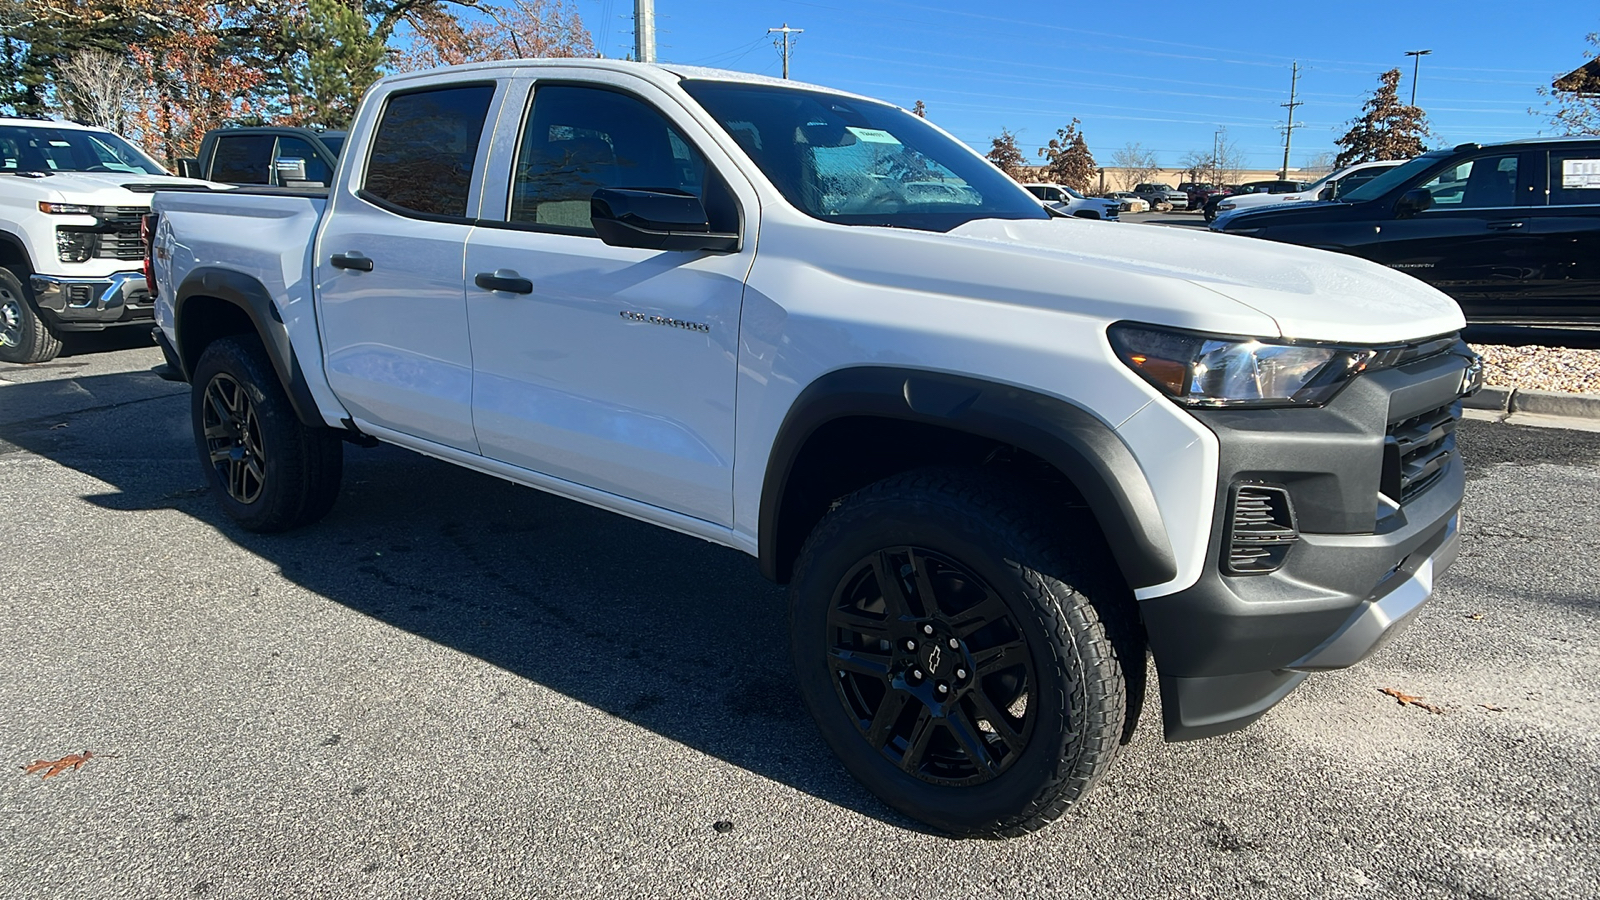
<point>1416,67</point>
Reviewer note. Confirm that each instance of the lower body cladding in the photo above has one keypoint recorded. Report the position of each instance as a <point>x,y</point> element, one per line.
<point>1331,527</point>
<point>92,303</point>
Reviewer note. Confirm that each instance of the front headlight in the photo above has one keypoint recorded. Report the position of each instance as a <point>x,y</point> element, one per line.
<point>1206,370</point>
<point>65,209</point>
<point>1227,204</point>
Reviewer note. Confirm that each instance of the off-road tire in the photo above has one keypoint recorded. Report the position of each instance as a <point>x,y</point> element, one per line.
<point>270,472</point>
<point>24,336</point>
<point>1075,616</point>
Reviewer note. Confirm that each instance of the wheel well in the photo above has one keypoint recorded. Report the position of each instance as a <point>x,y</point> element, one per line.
<point>204,320</point>
<point>847,454</point>
<point>13,257</point>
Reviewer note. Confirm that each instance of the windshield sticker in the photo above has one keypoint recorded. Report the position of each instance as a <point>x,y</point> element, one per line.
<point>60,144</point>
<point>1580,174</point>
<point>872,135</point>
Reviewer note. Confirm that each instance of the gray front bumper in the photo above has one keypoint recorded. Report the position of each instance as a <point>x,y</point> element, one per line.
<point>91,303</point>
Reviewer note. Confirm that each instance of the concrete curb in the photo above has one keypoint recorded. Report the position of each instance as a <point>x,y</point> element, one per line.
<point>1539,403</point>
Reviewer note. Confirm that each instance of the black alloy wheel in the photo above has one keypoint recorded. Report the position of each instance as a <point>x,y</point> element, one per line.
<point>233,438</point>
<point>932,666</point>
<point>964,649</point>
<point>269,471</point>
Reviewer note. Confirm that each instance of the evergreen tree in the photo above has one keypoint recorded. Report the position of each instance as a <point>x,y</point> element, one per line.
<point>1068,160</point>
<point>1008,156</point>
<point>1386,129</point>
<point>342,56</point>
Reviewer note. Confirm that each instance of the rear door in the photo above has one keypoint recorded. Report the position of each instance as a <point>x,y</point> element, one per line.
<point>1475,243</point>
<point>1566,286</point>
<point>389,265</point>
<point>616,369</point>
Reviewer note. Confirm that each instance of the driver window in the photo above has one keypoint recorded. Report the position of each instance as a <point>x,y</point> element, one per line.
<point>1486,182</point>
<point>578,140</point>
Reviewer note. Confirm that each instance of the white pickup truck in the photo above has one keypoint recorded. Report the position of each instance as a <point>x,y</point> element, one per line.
<point>999,456</point>
<point>70,247</point>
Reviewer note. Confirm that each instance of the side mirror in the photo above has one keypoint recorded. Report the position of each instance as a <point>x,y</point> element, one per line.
<point>655,219</point>
<point>1326,193</point>
<point>189,167</point>
<point>1412,202</point>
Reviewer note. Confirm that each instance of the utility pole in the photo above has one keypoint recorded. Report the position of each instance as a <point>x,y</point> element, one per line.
<point>1288,130</point>
<point>644,30</point>
<point>1216,154</point>
<point>1416,68</point>
<point>786,31</point>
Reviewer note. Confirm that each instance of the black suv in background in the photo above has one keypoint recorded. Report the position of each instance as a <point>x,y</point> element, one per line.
<point>274,155</point>
<point>1511,231</point>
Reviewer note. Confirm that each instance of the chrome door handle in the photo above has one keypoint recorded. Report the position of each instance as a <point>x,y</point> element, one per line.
<point>1505,226</point>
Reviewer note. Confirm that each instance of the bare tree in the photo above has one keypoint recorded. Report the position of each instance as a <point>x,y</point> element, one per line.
<point>920,110</point>
<point>1317,164</point>
<point>99,88</point>
<point>1135,164</point>
<point>1230,162</point>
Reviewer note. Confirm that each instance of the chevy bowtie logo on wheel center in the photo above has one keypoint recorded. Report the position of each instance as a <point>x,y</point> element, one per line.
<point>933,661</point>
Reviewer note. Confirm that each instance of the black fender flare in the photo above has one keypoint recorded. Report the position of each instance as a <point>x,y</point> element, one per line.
<point>250,296</point>
<point>1082,447</point>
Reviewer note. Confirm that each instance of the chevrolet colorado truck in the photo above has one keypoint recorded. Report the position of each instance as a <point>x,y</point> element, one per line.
<point>70,245</point>
<point>1000,457</point>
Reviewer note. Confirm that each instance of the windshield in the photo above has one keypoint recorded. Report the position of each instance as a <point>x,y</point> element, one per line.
<point>40,148</point>
<point>858,162</point>
<point>1386,182</point>
<point>1072,193</point>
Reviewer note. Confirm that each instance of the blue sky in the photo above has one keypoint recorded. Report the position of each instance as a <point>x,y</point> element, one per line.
<point>1167,75</point>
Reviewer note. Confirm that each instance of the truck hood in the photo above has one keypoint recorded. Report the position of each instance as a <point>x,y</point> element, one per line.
<point>110,188</point>
<point>1309,294</point>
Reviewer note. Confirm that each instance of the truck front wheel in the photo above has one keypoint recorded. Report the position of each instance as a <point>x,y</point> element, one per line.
<point>269,470</point>
<point>957,651</point>
<point>24,337</point>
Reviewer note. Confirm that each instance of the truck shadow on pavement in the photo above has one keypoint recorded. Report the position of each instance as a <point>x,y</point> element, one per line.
<point>676,635</point>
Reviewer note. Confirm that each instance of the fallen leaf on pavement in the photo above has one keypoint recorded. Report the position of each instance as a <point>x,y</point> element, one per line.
<point>52,768</point>
<point>1405,699</point>
<point>1492,708</point>
<point>1475,617</point>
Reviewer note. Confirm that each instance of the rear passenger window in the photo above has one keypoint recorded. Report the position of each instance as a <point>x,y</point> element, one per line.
<point>243,159</point>
<point>578,140</point>
<point>424,150</point>
<point>1575,177</point>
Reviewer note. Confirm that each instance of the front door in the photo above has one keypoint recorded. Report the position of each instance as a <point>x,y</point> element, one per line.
<point>1474,243</point>
<point>616,369</point>
<point>389,269</point>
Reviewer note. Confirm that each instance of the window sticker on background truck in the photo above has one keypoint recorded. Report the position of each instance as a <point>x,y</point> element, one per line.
<point>1580,174</point>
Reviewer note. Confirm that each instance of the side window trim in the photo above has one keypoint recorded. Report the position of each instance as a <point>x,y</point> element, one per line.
<point>358,179</point>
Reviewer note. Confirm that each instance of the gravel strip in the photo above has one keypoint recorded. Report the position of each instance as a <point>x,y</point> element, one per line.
<point>1541,368</point>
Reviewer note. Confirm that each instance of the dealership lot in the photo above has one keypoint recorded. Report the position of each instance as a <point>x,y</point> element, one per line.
<point>457,687</point>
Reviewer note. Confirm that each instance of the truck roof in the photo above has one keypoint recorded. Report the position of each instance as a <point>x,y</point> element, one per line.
<point>661,73</point>
<point>48,123</point>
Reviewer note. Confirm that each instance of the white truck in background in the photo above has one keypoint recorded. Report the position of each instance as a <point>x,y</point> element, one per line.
<point>71,203</point>
<point>999,456</point>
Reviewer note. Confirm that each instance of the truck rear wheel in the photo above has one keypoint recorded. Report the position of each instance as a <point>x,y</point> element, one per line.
<point>24,337</point>
<point>269,471</point>
<point>955,654</point>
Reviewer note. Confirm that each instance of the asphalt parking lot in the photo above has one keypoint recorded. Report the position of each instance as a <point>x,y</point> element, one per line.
<point>454,687</point>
